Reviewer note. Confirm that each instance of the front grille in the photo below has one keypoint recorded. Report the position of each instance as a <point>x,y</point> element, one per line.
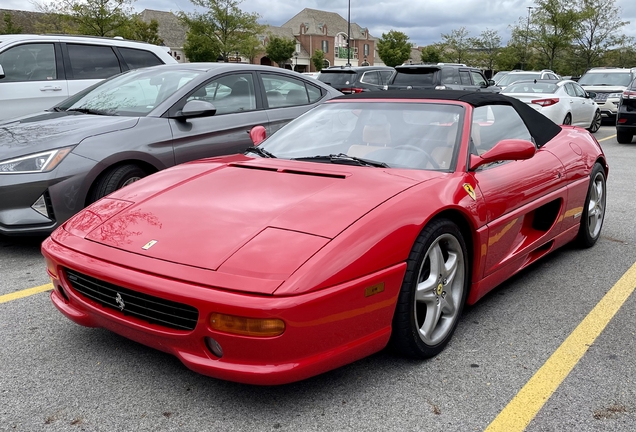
<point>149,308</point>
<point>600,97</point>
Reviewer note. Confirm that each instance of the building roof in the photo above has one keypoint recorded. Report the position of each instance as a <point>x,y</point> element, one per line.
<point>170,29</point>
<point>315,20</point>
<point>27,20</point>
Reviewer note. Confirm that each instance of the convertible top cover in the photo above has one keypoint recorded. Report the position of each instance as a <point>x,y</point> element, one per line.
<point>541,128</point>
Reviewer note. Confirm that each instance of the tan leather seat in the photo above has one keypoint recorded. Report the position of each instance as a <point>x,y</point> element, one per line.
<point>375,137</point>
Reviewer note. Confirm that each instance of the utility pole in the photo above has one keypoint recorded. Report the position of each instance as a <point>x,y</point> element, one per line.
<point>525,50</point>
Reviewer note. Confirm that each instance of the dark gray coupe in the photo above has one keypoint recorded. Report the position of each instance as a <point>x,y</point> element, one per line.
<point>54,163</point>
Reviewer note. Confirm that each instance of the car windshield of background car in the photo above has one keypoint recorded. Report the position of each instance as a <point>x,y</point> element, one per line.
<point>130,94</point>
<point>415,76</point>
<point>531,88</point>
<point>606,79</point>
<point>512,77</point>
<point>401,134</point>
<point>337,78</point>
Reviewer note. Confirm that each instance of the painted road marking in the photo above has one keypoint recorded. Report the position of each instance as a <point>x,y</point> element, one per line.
<point>25,293</point>
<point>606,138</point>
<point>526,404</point>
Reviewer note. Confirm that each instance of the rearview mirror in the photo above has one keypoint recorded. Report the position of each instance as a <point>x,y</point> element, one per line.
<point>504,150</point>
<point>196,108</point>
<point>1,72</point>
<point>258,134</point>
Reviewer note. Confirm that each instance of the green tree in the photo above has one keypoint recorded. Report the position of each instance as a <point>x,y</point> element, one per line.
<point>139,30</point>
<point>487,47</point>
<point>9,27</point>
<point>223,27</point>
<point>200,48</point>
<point>318,59</point>
<point>280,49</point>
<point>394,48</point>
<point>597,30</point>
<point>93,17</point>
<point>456,45</point>
<point>552,28</point>
<point>251,48</point>
<point>431,54</point>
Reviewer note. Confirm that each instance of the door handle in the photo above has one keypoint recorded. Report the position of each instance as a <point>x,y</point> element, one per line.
<point>51,88</point>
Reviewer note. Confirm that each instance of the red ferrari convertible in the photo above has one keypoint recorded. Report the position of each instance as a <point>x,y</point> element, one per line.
<point>369,220</point>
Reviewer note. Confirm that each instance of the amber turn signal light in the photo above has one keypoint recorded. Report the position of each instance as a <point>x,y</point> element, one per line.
<point>260,327</point>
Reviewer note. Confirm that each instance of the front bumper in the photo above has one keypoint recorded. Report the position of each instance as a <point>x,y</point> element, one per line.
<point>609,107</point>
<point>64,190</point>
<point>324,329</point>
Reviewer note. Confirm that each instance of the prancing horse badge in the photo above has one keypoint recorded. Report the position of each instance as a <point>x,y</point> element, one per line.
<point>469,189</point>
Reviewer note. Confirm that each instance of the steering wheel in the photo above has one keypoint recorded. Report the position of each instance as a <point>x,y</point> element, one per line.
<point>421,150</point>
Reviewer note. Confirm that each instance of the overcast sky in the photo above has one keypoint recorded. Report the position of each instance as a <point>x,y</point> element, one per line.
<point>422,20</point>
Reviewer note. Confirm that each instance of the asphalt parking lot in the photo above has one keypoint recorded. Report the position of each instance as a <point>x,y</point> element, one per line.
<point>58,376</point>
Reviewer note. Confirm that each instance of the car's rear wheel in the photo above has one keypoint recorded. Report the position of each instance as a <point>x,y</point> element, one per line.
<point>594,208</point>
<point>567,120</point>
<point>433,292</point>
<point>596,122</point>
<point>115,178</point>
<point>624,137</point>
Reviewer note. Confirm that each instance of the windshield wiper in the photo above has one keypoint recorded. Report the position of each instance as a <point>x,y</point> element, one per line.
<point>259,151</point>
<point>343,158</point>
<point>57,109</point>
<point>90,111</point>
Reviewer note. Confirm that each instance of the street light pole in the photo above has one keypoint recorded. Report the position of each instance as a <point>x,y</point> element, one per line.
<point>349,34</point>
<point>525,50</point>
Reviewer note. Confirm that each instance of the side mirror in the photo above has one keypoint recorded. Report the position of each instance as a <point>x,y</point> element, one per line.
<point>1,72</point>
<point>591,94</point>
<point>504,150</point>
<point>196,108</point>
<point>258,134</point>
<point>491,82</point>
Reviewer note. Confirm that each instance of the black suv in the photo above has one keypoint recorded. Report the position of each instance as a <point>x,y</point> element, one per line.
<point>440,76</point>
<point>356,79</point>
<point>626,115</point>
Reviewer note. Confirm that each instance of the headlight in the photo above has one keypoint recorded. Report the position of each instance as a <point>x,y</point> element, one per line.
<point>614,95</point>
<point>35,163</point>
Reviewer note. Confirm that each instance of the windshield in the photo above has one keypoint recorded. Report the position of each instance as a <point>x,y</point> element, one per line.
<point>530,87</point>
<point>399,134</point>
<point>512,77</point>
<point>135,93</point>
<point>621,79</point>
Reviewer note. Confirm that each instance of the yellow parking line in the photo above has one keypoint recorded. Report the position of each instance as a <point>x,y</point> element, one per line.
<point>606,138</point>
<point>25,293</point>
<point>526,404</point>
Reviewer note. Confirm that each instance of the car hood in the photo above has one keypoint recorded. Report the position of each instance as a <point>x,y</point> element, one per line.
<point>241,215</point>
<point>50,130</point>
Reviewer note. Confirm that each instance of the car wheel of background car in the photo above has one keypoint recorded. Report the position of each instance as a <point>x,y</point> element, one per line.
<point>433,292</point>
<point>594,208</point>
<point>115,178</point>
<point>567,120</point>
<point>624,137</point>
<point>596,122</point>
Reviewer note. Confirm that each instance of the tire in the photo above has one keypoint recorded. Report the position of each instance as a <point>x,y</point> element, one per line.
<point>429,305</point>
<point>567,120</point>
<point>594,208</point>
<point>624,137</point>
<point>596,122</point>
<point>115,178</point>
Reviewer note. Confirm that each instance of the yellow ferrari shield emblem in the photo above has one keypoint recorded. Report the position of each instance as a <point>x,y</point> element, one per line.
<point>471,192</point>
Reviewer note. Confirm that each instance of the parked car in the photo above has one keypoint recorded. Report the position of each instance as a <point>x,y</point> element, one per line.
<point>563,102</point>
<point>515,76</point>
<point>609,84</point>
<point>372,218</point>
<point>626,115</point>
<point>440,76</point>
<point>39,71</point>
<point>55,163</point>
<point>499,75</point>
<point>356,79</point>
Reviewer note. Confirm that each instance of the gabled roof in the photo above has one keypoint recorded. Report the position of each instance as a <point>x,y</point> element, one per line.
<point>314,21</point>
<point>170,29</point>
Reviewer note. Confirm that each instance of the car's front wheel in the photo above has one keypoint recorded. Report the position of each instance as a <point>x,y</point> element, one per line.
<point>596,122</point>
<point>567,120</point>
<point>433,292</point>
<point>624,137</point>
<point>594,208</point>
<point>115,178</point>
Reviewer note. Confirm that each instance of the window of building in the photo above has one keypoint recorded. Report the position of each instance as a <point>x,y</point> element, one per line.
<point>325,46</point>
<point>366,50</point>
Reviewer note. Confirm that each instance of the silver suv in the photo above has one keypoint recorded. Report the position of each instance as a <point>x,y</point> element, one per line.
<point>608,83</point>
<point>39,71</point>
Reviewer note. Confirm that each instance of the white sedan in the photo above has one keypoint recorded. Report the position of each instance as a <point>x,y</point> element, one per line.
<point>563,102</point>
